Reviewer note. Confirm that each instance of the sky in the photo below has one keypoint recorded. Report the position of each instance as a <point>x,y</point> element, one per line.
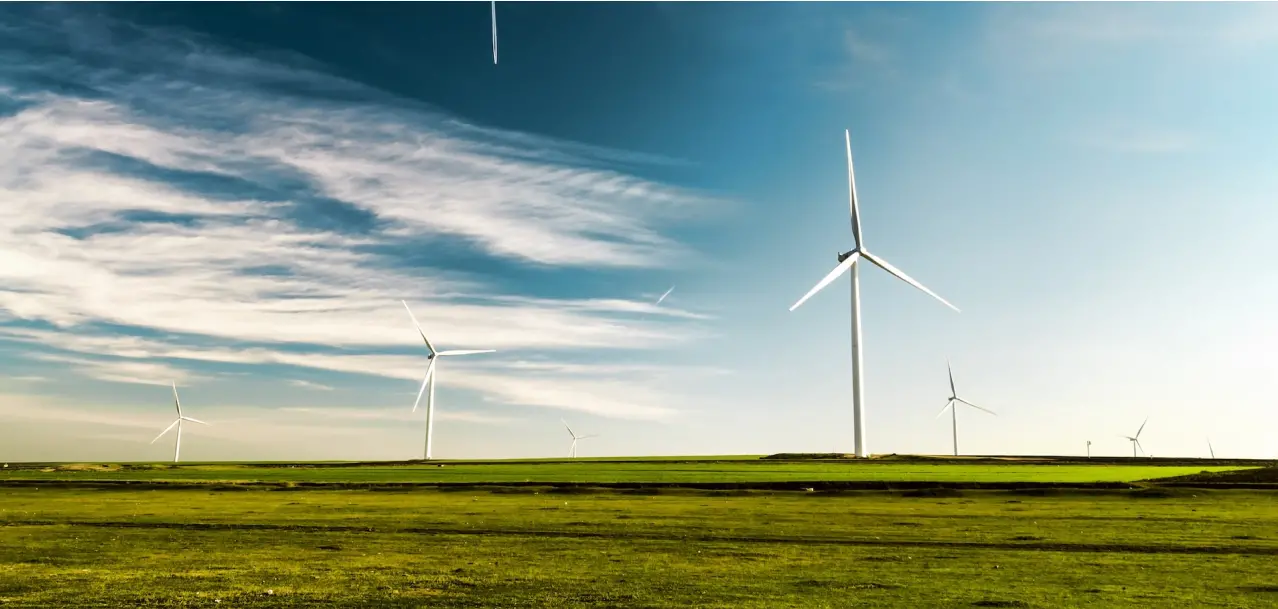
<point>235,198</point>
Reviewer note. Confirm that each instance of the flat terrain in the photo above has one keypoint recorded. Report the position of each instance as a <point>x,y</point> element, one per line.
<point>611,472</point>
<point>231,545</point>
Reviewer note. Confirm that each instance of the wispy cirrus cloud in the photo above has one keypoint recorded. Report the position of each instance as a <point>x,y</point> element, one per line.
<point>1049,36</point>
<point>863,59</point>
<point>174,204</point>
<point>1126,139</point>
<point>28,378</point>
<point>627,391</point>
<point>122,371</point>
<point>304,384</point>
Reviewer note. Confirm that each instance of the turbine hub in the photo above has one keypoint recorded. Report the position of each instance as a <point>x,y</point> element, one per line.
<point>845,256</point>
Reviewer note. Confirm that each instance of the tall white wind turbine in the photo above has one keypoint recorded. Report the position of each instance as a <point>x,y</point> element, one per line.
<point>1135,440</point>
<point>432,374</point>
<point>572,452</point>
<point>849,261</point>
<point>177,446</point>
<point>952,405</point>
<point>1089,449</point>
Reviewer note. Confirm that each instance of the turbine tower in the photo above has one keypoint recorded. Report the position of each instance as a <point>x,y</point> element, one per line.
<point>849,261</point>
<point>432,373</point>
<point>572,452</point>
<point>1089,449</point>
<point>177,446</point>
<point>494,12</point>
<point>1135,440</point>
<point>952,405</point>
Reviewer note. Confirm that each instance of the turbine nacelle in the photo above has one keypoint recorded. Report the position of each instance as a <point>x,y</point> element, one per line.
<point>846,261</point>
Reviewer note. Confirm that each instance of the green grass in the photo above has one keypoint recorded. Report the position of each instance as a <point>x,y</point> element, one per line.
<point>429,548</point>
<point>617,471</point>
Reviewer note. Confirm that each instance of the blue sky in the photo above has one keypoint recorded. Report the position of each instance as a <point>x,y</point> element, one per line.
<point>236,196</point>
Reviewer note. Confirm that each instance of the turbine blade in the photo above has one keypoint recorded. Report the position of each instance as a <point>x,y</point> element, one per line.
<point>1142,448</point>
<point>1210,449</point>
<point>953,393</point>
<point>856,212</point>
<point>466,351</point>
<point>947,406</point>
<point>166,430</point>
<point>430,370</point>
<point>1142,427</point>
<point>883,264</point>
<point>574,436</point>
<point>593,435</point>
<point>838,270</point>
<point>194,420</point>
<point>977,407</point>
<point>177,403</point>
<point>494,32</point>
<point>419,328</point>
<point>663,296</point>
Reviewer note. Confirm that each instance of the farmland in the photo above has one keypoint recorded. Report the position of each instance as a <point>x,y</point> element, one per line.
<point>213,538</point>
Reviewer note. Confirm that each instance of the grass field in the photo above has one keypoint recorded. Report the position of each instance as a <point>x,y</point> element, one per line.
<point>609,472</point>
<point>177,546</point>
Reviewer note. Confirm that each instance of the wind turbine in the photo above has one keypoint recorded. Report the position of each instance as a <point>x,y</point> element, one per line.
<point>572,452</point>
<point>1089,449</point>
<point>849,261</point>
<point>952,405</point>
<point>177,446</point>
<point>663,296</point>
<point>432,374</point>
<point>494,4</point>
<point>1135,440</point>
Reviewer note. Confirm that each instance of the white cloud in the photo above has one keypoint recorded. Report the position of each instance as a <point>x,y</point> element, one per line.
<point>1129,140</point>
<point>611,390</point>
<point>28,379</point>
<point>865,61</point>
<point>159,203</point>
<point>1044,35</point>
<point>862,49</point>
<point>397,414</point>
<point>309,385</point>
<point>122,371</point>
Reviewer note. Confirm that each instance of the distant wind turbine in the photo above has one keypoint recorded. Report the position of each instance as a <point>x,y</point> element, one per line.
<point>951,404</point>
<point>1135,440</point>
<point>1089,449</point>
<point>572,452</point>
<point>177,446</point>
<point>1210,449</point>
<point>663,296</point>
<point>849,261</point>
<point>432,374</point>
<point>494,4</point>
